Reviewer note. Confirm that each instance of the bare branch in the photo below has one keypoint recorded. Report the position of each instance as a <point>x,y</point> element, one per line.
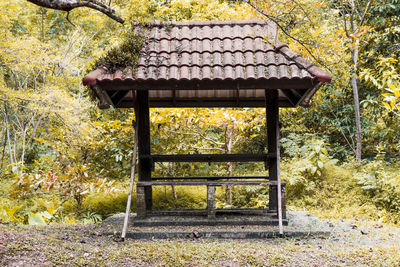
<point>35,129</point>
<point>304,12</point>
<point>62,203</point>
<point>351,145</point>
<point>353,8</point>
<point>67,18</point>
<point>362,20</point>
<point>68,5</point>
<point>344,20</point>
<point>207,148</point>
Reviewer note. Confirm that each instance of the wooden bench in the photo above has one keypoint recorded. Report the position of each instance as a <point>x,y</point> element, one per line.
<point>211,183</point>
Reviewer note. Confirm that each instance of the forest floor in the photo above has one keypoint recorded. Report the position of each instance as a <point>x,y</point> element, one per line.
<point>351,243</point>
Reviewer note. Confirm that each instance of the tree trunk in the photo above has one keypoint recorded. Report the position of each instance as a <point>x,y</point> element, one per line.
<point>172,167</point>
<point>174,193</point>
<point>8,134</point>
<point>230,164</point>
<point>79,200</point>
<point>354,52</point>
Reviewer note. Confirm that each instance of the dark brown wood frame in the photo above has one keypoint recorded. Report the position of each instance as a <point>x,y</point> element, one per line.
<point>146,162</point>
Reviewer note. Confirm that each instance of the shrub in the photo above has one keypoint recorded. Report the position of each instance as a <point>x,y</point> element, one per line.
<point>186,197</point>
<point>381,183</point>
<point>107,204</point>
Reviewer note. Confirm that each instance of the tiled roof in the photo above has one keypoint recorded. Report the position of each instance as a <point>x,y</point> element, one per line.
<point>223,55</point>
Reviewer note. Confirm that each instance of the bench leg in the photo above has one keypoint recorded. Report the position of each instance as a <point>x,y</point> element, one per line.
<point>211,201</point>
<point>283,196</point>
<point>274,196</point>
<point>140,202</point>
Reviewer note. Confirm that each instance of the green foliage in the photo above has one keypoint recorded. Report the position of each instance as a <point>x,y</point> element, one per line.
<point>112,147</point>
<point>39,218</point>
<point>61,154</point>
<point>318,157</point>
<point>345,191</point>
<point>200,10</point>
<point>106,205</point>
<point>91,217</point>
<point>166,197</point>
<point>335,194</point>
<point>72,182</point>
<point>381,182</point>
<point>9,214</point>
<point>392,99</point>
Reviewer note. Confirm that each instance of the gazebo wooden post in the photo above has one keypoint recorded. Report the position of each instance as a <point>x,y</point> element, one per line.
<point>143,194</point>
<point>272,103</point>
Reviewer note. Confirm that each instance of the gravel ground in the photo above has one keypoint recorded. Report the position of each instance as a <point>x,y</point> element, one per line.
<point>351,242</point>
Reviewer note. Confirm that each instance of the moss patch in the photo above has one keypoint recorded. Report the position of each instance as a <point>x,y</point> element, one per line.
<point>124,55</point>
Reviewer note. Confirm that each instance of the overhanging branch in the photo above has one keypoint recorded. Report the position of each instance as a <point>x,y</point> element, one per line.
<point>68,5</point>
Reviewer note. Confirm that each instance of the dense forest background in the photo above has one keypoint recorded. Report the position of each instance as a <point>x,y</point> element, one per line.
<point>64,160</point>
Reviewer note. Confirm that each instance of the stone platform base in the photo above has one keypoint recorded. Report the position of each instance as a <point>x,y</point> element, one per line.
<point>198,220</point>
<point>298,224</point>
<point>219,234</point>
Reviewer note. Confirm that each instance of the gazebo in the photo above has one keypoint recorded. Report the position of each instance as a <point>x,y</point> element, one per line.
<point>209,64</point>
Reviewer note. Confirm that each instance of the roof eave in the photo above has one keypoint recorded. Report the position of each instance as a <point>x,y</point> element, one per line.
<point>320,74</point>
<point>91,78</point>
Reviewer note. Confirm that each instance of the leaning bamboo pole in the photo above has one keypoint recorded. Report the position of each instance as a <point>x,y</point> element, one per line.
<point>131,185</point>
<point>132,180</point>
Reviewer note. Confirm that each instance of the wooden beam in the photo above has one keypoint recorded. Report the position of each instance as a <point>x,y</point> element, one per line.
<point>202,212</point>
<point>270,84</point>
<point>204,103</point>
<point>174,97</point>
<point>293,99</point>
<point>118,97</point>
<point>104,98</point>
<point>214,183</point>
<point>306,98</point>
<point>143,128</point>
<point>211,157</point>
<point>210,178</point>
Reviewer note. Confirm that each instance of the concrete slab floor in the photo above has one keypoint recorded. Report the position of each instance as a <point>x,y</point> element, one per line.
<point>298,224</point>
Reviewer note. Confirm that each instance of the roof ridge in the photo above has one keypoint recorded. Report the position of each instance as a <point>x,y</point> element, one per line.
<point>158,23</point>
<point>211,38</point>
<point>212,65</point>
<point>169,52</point>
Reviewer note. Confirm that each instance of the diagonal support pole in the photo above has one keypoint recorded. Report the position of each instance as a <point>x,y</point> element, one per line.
<point>132,180</point>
